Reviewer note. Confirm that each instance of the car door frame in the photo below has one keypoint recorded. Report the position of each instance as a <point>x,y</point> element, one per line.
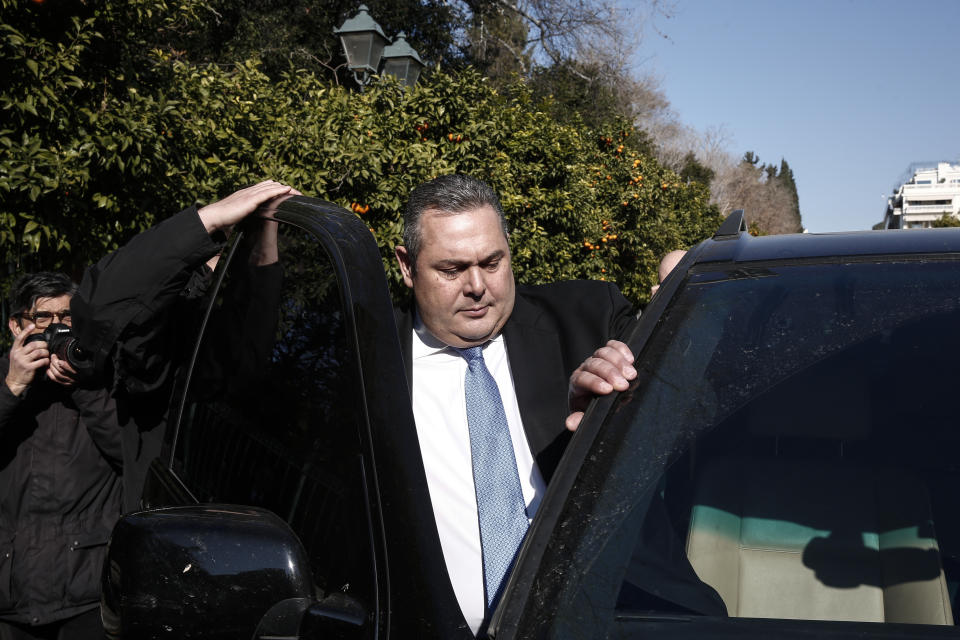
<point>413,590</point>
<point>531,597</point>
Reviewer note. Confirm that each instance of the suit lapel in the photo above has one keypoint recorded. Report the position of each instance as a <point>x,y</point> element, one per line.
<point>537,366</point>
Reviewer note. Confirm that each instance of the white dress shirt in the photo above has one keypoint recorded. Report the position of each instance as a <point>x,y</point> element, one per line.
<point>439,408</point>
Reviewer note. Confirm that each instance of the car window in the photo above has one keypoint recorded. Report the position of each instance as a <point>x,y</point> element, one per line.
<point>788,452</point>
<point>273,404</point>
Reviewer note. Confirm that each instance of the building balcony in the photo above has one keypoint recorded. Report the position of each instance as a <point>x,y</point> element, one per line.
<point>928,208</point>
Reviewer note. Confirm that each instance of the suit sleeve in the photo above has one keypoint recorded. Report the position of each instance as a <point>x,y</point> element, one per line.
<point>623,318</point>
<point>134,284</point>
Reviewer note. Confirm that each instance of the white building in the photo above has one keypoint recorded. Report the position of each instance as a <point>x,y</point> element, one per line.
<point>926,196</point>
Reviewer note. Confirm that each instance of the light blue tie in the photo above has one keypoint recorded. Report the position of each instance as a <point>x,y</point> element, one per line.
<point>500,506</point>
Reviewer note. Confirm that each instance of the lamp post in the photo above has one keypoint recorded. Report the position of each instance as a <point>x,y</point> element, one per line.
<point>364,43</point>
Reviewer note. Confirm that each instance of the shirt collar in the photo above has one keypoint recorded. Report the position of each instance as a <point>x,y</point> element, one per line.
<point>425,344</point>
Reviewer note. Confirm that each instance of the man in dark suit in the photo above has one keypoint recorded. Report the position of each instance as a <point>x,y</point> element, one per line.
<point>553,329</point>
<point>496,372</point>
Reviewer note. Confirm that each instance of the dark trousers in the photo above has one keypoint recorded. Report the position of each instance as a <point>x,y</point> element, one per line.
<point>86,626</point>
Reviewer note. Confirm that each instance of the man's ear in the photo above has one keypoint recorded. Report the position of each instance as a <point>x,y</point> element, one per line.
<point>406,267</point>
<point>14,327</point>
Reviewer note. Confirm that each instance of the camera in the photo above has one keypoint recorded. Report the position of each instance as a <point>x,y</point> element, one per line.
<point>61,341</point>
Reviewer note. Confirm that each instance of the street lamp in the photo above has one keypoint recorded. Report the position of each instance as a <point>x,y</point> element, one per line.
<point>402,60</point>
<point>363,43</point>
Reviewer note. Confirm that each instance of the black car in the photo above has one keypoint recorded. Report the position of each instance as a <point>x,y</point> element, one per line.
<point>792,433</point>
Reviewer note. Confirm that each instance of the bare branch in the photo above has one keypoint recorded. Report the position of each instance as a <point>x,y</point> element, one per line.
<point>561,30</point>
<point>516,54</point>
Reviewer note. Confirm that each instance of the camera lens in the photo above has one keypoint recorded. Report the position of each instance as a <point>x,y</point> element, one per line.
<point>62,343</point>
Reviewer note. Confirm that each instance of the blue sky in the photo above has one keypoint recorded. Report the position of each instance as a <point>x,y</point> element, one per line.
<point>849,92</point>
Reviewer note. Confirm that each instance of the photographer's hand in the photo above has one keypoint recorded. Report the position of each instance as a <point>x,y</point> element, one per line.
<point>25,361</point>
<point>223,214</point>
<point>61,372</point>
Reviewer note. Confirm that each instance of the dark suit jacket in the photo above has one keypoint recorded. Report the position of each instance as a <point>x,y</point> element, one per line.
<point>552,330</point>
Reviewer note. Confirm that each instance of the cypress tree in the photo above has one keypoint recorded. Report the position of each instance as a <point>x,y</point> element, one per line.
<point>786,179</point>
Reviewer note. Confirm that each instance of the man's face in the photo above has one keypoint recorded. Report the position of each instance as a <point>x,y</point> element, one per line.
<point>58,305</point>
<point>463,283</point>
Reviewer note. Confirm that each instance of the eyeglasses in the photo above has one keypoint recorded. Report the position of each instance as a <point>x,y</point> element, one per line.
<point>43,318</point>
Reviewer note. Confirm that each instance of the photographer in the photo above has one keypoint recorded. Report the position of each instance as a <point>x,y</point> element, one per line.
<point>60,486</point>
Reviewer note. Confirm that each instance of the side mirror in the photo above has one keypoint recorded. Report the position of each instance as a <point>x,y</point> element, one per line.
<point>204,571</point>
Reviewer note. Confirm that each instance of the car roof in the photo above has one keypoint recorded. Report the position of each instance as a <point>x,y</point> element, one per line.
<point>732,243</point>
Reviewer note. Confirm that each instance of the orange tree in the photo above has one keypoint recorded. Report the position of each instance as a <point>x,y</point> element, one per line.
<point>92,154</point>
<point>581,202</point>
<point>69,155</point>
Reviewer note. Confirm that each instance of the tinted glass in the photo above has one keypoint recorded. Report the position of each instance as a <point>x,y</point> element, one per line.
<point>274,404</point>
<point>788,451</point>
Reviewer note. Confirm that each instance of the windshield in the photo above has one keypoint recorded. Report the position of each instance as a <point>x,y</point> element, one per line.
<point>786,452</point>
<point>733,333</point>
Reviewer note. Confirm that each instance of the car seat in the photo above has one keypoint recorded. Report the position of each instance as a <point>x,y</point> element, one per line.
<point>800,536</point>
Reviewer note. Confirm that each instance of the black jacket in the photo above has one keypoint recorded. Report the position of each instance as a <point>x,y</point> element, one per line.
<point>60,495</point>
<point>133,312</point>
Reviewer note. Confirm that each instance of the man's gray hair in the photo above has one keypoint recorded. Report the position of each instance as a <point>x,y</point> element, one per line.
<point>450,194</point>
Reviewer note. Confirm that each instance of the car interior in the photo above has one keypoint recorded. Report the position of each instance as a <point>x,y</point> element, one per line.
<point>830,494</point>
